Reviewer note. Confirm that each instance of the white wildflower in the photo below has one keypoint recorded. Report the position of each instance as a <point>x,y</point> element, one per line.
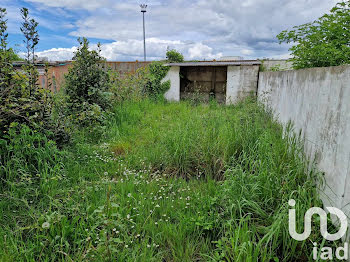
<point>45,225</point>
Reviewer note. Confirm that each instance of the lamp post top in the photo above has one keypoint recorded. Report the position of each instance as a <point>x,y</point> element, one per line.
<point>143,8</point>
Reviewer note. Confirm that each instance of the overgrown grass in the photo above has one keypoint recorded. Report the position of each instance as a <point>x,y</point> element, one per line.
<point>164,182</point>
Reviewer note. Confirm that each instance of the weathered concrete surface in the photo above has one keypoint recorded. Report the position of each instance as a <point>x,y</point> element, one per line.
<point>283,64</point>
<point>173,94</point>
<point>124,68</point>
<point>58,70</point>
<point>317,101</point>
<point>242,81</point>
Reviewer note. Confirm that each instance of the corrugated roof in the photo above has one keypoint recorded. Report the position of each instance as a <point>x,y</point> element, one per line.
<point>217,63</point>
<point>41,63</point>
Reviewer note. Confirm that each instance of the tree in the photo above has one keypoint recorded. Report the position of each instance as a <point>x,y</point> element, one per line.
<point>174,56</point>
<point>7,55</point>
<point>6,70</point>
<point>22,102</point>
<point>87,83</point>
<point>13,56</point>
<point>30,32</point>
<point>324,42</point>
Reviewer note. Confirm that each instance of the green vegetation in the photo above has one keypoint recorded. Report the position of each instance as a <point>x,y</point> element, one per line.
<point>173,182</point>
<point>141,179</point>
<point>30,32</point>
<point>156,72</point>
<point>174,56</point>
<point>146,82</point>
<point>13,56</point>
<point>22,100</point>
<point>87,84</point>
<point>324,42</point>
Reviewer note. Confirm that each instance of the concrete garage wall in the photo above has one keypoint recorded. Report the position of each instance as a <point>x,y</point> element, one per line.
<point>173,94</point>
<point>282,64</point>
<point>242,81</point>
<point>317,101</point>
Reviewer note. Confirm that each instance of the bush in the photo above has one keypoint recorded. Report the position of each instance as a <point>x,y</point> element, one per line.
<point>17,106</point>
<point>174,56</point>
<point>155,87</point>
<point>13,56</point>
<point>323,42</point>
<point>129,87</point>
<point>21,99</point>
<point>87,83</point>
<point>146,82</point>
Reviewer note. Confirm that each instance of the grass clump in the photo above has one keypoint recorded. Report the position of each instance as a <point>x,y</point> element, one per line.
<point>167,182</point>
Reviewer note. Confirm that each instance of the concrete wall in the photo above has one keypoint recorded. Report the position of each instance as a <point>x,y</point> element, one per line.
<point>283,64</point>
<point>124,68</point>
<point>57,72</point>
<point>317,101</point>
<point>173,94</point>
<point>242,81</point>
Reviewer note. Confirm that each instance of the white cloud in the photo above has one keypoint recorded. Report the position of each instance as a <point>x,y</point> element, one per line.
<point>133,50</point>
<point>204,28</point>
<point>78,4</point>
<point>282,56</point>
<point>200,51</point>
<point>247,52</point>
<point>58,54</point>
<point>252,24</point>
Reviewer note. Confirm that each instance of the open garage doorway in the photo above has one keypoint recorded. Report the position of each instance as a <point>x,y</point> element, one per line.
<point>203,83</point>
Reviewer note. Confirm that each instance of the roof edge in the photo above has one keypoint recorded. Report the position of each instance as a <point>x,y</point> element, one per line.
<point>217,63</point>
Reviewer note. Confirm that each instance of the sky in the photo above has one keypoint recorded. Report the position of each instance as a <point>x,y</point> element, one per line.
<point>200,29</point>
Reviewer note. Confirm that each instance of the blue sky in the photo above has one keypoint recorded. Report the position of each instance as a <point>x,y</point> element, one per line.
<point>200,29</point>
<point>55,24</point>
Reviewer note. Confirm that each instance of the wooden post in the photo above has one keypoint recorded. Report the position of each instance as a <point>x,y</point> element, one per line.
<point>213,81</point>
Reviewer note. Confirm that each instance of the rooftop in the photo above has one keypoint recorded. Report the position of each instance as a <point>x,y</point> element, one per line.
<point>41,63</point>
<point>217,63</point>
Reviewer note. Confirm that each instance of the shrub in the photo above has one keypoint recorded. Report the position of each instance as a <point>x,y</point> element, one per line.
<point>13,56</point>
<point>33,110</point>
<point>174,56</point>
<point>129,87</point>
<point>146,82</point>
<point>21,99</point>
<point>155,87</point>
<point>87,82</point>
<point>323,42</point>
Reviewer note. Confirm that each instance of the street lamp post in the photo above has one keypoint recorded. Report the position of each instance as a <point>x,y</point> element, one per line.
<point>143,10</point>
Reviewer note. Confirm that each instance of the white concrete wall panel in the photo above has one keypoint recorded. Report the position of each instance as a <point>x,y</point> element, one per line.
<point>173,94</point>
<point>242,81</point>
<point>317,101</point>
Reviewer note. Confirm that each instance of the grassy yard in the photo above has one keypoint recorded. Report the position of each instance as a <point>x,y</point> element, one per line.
<point>161,182</point>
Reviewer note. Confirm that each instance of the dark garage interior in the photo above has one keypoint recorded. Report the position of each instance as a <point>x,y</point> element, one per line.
<point>203,83</point>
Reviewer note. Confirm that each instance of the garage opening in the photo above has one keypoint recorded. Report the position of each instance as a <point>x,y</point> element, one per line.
<point>203,83</point>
